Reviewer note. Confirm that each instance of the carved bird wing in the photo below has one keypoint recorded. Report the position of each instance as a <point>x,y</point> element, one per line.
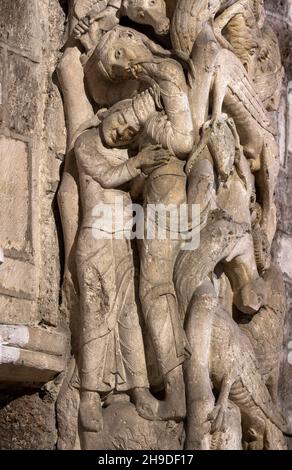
<point>240,85</point>
<point>187,20</point>
<point>183,26</point>
<point>253,381</point>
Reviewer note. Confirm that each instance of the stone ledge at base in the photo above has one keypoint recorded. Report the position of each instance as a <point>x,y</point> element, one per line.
<point>31,355</point>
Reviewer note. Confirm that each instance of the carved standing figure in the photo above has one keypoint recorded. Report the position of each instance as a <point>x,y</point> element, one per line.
<point>89,20</point>
<point>124,53</point>
<point>111,345</point>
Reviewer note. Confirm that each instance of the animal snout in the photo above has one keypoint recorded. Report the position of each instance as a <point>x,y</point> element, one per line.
<point>163,27</point>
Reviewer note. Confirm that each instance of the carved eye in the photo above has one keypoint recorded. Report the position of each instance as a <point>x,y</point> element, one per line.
<point>119,53</point>
<point>130,35</point>
<point>152,2</point>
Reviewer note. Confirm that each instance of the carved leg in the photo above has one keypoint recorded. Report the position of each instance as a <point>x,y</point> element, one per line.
<point>200,184</point>
<point>92,345</point>
<point>241,269</point>
<point>218,91</point>
<point>69,211</point>
<point>162,318</point>
<point>165,342</point>
<point>200,398</point>
<point>90,420</point>
<point>174,405</point>
<point>266,179</point>
<point>272,385</point>
<point>77,110</point>
<point>218,415</point>
<point>71,78</point>
<point>90,411</point>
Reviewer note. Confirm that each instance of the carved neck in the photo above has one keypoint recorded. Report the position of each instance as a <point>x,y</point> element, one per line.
<point>207,33</point>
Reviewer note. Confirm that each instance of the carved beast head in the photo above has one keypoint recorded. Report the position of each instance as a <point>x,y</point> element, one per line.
<point>150,12</point>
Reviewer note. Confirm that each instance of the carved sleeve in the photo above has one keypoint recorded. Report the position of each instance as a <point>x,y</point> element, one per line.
<point>96,165</point>
<point>167,118</point>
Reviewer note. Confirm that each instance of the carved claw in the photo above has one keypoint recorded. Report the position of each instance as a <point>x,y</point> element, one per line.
<point>218,418</point>
<point>215,122</point>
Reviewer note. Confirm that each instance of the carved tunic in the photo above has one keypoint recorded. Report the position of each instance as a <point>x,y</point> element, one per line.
<point>111,338</point>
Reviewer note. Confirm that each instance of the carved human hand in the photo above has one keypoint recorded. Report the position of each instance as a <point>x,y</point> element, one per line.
<point>82,26</point>
<point>86,21</point>
<point>151,157</point>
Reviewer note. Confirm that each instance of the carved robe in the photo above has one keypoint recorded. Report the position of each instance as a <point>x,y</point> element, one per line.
<point>111,346</point>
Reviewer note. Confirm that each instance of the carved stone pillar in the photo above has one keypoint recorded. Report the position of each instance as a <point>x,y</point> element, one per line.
<point>117,345</point>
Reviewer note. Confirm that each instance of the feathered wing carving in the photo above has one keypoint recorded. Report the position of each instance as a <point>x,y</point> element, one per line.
<point>240,85</point>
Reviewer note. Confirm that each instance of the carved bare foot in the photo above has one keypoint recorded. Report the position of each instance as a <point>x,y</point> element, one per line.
<point>172,408</point>
<point>146,404</point>
<point>174,405</point>
<point>90,412</point>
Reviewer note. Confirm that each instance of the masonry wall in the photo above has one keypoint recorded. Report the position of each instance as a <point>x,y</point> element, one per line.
<point>32,147</point>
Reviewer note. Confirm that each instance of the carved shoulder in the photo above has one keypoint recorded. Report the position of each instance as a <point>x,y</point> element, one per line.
<point>86,144</point>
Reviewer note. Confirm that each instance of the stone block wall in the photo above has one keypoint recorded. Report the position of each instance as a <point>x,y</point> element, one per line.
<point>32,146</point>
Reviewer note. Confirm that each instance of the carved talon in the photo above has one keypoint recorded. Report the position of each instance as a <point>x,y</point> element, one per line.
<point>217,418</point>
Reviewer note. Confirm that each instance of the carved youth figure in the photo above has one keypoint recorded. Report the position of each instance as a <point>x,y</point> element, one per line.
<point>124,53</point>
<point>111,346</point>
<point>89,20</point>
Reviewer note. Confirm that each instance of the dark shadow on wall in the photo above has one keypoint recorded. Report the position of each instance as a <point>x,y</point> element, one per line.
<point>65,5</point>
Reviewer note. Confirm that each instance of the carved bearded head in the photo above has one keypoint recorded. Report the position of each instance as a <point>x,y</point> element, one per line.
<point>120,51</point>
<point>150,12</point>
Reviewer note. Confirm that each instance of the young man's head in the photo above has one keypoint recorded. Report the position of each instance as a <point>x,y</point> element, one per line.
<point>120,125</point>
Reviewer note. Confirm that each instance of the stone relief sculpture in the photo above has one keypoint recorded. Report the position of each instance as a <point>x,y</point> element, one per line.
<point>183,341</point>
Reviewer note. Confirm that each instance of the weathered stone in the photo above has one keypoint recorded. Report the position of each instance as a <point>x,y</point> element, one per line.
<point>21,100</point>
<point>124,429</point>
<point>18,278</point>
<point>26,421</point>
<point>18,311</point>
<point>15,180</point>
<point>34,152</point>
<point>31,355</point>
<point>2,60</point>
<point>20,25</point>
